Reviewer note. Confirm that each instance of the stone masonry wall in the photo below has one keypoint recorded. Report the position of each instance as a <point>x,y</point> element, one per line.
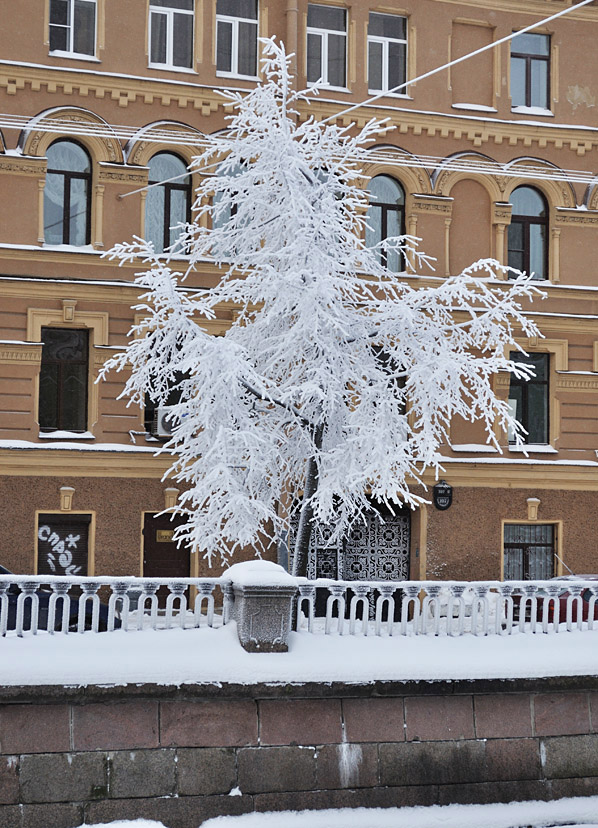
<point>182,755</point>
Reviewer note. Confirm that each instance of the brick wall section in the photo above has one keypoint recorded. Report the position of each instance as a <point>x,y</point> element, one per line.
<point>175,756</point>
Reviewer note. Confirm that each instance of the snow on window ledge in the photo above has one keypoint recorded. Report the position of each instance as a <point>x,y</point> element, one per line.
<point>74,56</point>
<point>532,110</point>
<point>535,448</point>
<point>474,107</point>
<point>475,448</point>
<point>66,435</point>
<point>234,76</point>
<point>169,68</point>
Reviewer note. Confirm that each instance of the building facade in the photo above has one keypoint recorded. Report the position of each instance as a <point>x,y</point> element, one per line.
<point>495,156</point>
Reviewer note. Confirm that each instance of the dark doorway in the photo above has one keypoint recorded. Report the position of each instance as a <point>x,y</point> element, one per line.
<point>162,557</point>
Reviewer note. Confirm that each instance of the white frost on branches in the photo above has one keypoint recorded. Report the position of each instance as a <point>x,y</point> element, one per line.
<point>333,364</point>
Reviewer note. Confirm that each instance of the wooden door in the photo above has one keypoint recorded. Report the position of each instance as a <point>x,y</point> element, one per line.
<point>162,557</point>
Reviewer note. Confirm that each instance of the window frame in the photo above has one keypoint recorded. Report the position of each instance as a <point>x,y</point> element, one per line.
<point>169,13</point>
<point>68,176</point>
<point>323,34</point>
<point>557,535</point>
<point>387,207</point>
<point>526,222</point>
<point>385,41</point>
<point>71,33</point>
<point>529,58</point>
<point>167,187</point>
<point>235,22</point>
<point>60,426</point>
<point>525,385</point>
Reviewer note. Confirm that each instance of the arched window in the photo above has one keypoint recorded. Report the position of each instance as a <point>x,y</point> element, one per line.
<point>528,232</point>
<point>170,203</point>
<point>386,217</point>
<point>67,195</point>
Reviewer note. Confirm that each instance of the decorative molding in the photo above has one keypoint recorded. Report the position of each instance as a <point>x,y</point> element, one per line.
<point>572,382</point>
<point>117,172</point>
<point>23,166</point>
<point>432,204</point>
<point>47,462</point>
<point>501,212</point>
<point>18,352</point>
<point>42,317</point>
<point>581,218</point>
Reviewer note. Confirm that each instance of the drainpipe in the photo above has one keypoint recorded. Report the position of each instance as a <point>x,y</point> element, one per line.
<point>292,39</point>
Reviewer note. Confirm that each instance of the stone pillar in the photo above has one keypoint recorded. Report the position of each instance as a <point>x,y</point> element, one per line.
<point>264,598</point>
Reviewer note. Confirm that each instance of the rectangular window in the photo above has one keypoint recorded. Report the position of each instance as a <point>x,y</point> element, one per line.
<point>529,551</point>
<point>528,399</point>
<point>63,380</point>
<point>73,27</point>
<point>530,71</point>
<point>63,544</point>
<point>171,33</point>
<point>236,38</point>
<point>387,52</point>
<point>327,45</point>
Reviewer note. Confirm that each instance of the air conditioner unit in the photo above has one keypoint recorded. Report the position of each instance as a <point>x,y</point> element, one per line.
<point>164,422</point>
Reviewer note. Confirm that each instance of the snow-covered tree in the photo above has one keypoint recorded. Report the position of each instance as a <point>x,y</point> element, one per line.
<point>337,380</point>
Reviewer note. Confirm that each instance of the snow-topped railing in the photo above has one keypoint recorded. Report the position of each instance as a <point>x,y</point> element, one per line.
<point>451,608</point>
<point>266,603</point>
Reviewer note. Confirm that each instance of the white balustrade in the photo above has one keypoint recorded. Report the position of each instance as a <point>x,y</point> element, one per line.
<point>31,604</point>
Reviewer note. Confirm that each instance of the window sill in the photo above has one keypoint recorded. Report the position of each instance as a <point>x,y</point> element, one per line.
<point>388,94</point>
<point>532,110</point>
<point>66,435</point>
<point>474,107</point>
<point>327,88</point>
<point>534,448</point>
<point>75,56</point>
<point>166,67</point>
<point>232,76</point>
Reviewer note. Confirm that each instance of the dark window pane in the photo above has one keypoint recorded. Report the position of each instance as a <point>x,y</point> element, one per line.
<point>187,5</point>
<point>539,88</point>
<point>84,36</point>
<point>54,209</point>
<point>518,71</point>
<point>314,57</point>
<point>59,12</point>
<point>158,37</point>
<point>182,46</point>
<point>224,47</point>
<point>375,65</point>
<point>59,39</point>
<point>387,25</point>
<point>531,44</point>
<point>326,17</point>
<point>540,365</point>
<point>68,156</point>
<point>237,8</point>
<point>63,380</point>
<point>515,237</point>
<point>48,397</point>
<point>337,58</point>
<point>537,415</point>
<point>247,58</point>
<point>62,546</point>
<point>397,61</point>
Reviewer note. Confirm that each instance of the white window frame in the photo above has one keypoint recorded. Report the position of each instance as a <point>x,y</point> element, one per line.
<point>235,21</point>
<point>323,35</point>
<point>386,41</point>
<point>71,33</point>
<point>169,13</point>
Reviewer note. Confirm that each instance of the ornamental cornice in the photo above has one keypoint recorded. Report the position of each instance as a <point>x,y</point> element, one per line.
<point>122,90</point>
<point>432,204</point>
<point>19,352</point>
<point>539,8</point>
<point>579,218</point>
<point>576,383</point>
<point>22,166</point>
<point>108,173</point>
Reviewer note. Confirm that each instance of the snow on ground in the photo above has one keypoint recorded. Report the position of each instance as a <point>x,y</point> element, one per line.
<point>573,813</point>
<point>162,657</point>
